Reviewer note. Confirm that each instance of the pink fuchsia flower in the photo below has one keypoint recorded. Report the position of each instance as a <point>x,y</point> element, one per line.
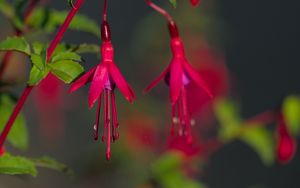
<point>104,78</point>
<point>286,144</point>
<point>195,2</point>
<point>178,75</point>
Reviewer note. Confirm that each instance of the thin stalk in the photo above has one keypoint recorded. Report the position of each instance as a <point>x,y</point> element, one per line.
<point>28,89</point>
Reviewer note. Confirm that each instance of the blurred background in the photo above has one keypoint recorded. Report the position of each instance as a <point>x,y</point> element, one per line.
<point>247,51</point>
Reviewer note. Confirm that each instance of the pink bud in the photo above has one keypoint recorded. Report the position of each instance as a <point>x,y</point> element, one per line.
<point>195,2</point>
<point>286,148</point>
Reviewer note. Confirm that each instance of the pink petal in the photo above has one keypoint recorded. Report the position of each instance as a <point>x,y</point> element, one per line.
<point>82,80</point>
<point>159,78</point>
<point>176,75</point>
<point>121,83</point>
<point>97,86</point>
<point>196,78</point>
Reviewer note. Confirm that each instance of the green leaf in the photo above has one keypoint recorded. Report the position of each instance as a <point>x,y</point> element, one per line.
<point>18,136</point>
<point>38,47</point>
<point>174,3</point>
<point>48,162</point>
<point>167,163</point>
<point>37,75</point>
<point>228,116</point>
<point>39,60</point>
<point>15,43</point>
<point>261,141</point>
<point>86,48</point>
<point>66,56</point>
<point>49,20</point>
<point>6,9</point>
<point>66,70</point>
<point>14,165</point>
<point>291,113</point>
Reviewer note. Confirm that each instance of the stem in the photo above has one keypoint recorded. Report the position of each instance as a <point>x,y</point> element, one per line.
<point>104,16</point>
<point>28,89</point>
<point>160,10</point>
<point>5,61</point>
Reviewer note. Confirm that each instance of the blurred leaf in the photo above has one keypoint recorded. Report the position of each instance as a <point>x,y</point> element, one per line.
<point>227,114</point>
<point>14,165</point>
<point>66,70</point>
<point>48,162</point>
<point>86,48</point>
<point>18,135</point>
<point>49,20</point>
<point>167,163</point>
<point>6,9</point>
<point>66,56</point>
<point>16,44</point>
<point>291,113</point>
<point>37,75</point>
<point>174,3</point>
<point>261,141</point>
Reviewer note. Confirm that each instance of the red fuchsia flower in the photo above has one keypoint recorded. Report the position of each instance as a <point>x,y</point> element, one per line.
<point>286,144</point>
<point>195,2</point>
<point>104,78</point>
<point>178,75</point>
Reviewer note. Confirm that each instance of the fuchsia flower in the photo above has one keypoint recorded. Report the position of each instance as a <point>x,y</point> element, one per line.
<point>104,78</point>
<point>286,144</point>
<point>195,2</point>
<point>178,75</point>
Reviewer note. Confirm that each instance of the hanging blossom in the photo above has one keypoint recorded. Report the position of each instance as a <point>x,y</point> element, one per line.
<point>195,2</point>
<point>104,78</point>
<point>178,75</point>
<point>286,144</point>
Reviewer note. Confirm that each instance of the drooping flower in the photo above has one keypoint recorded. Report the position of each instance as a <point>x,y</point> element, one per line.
<point>104,78</point>
<point>178,75</point>
<point>286,144</point>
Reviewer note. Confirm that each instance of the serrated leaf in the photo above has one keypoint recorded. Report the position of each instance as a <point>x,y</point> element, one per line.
<point>66,70</point>
<point>48,162</point>
<point>15,43</point>
<point>66,56</point>
<point>173,2</point>
<point>261,141</point>
<point>37,75</point>
<point>291,113</point>
<point>38,47</point>
<point>14,165</point>
<point>39,60</point>
<point>227,114</point>
<point>49,20</point>
<point>18,136</point>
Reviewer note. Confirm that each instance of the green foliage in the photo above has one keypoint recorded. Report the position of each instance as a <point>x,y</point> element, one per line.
<point>6,9</point>
<point>14,165</point>
<point>260,140</point>
<point>291,113</point>
<point>48,162</point>
<point>167,170</point>
<point>232,127</point>
<point>174,3</point>
<point>66,70</point>
<point>49,20</point>
<point>17,165</point>
<point>18,136</point>
<point>16,44</point>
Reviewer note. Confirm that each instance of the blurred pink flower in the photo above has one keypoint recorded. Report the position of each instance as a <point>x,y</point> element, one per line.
<point>286,144</point>
<point>104,78</point>
<point>2,150</point>
<point>178,76</point>
<point>195,2</point>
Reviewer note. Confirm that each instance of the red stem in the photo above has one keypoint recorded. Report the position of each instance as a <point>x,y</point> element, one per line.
<point>160,10</point>
<point>28,89</point>
<point>104,16</point>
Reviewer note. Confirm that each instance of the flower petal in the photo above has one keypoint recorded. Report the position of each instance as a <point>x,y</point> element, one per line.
<point>159,78</point>
<point>97,86</point>
<point>121,83</point>
<point>196,78</point>
<point>176,76</point>
<point>82,80</point>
